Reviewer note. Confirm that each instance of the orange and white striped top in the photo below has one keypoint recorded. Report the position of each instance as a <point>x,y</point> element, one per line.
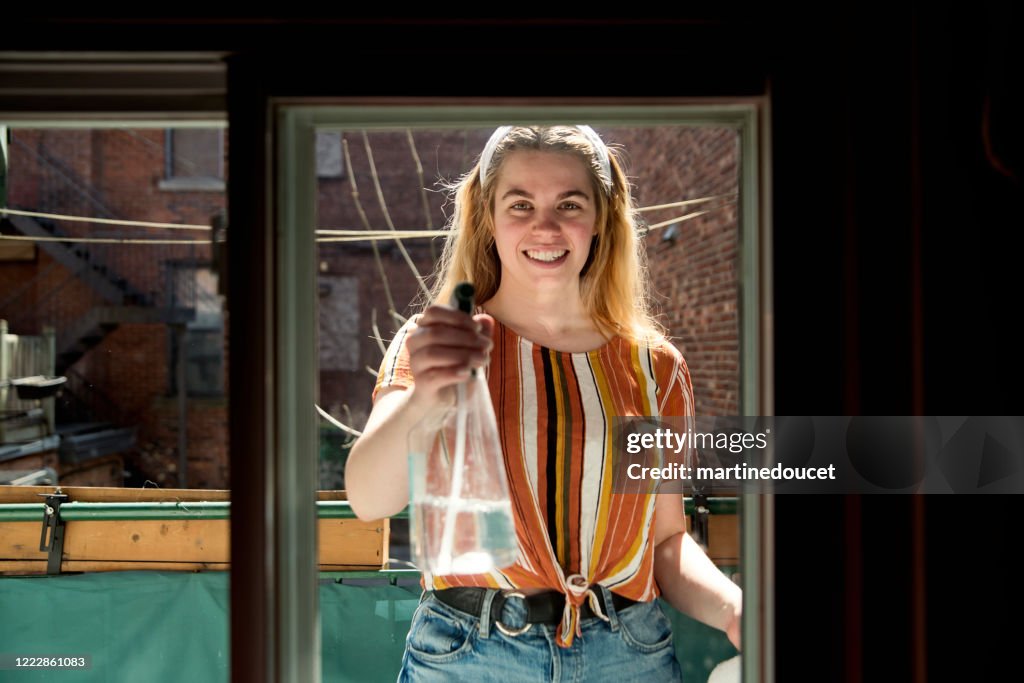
<point>554,412</point>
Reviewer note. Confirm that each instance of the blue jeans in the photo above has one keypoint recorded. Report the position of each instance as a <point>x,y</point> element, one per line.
<point>446,645</point>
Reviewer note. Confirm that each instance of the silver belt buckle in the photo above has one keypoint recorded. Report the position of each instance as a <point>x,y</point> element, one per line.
<point>513,631</point>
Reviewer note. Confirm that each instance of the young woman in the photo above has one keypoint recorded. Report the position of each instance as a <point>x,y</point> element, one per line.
<point>543,227</point>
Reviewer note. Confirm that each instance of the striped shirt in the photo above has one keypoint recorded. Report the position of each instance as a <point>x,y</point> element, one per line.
<point>554,412</point>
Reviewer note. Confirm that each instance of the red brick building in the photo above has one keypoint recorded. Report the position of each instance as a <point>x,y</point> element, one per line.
<point>121,308</point>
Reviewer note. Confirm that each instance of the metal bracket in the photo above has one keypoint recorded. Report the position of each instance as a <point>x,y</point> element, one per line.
<point>53,523</point>
<point>699,522</point>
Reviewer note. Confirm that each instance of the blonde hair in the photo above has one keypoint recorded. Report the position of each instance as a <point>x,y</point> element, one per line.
<point>613,283</point>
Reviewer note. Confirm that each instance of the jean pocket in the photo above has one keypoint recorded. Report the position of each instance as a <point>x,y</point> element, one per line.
<point>645,627</point>
<point>437,635</point>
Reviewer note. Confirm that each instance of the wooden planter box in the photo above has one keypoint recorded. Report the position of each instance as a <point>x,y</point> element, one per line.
<point>113,529</point>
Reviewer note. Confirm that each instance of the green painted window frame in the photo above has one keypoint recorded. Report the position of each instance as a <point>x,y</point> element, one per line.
<point>296,122</point>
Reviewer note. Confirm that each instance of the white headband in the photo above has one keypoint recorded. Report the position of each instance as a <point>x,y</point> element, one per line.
<point>592,137</point>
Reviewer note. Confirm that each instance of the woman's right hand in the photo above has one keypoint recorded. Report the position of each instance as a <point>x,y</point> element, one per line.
<point>443,347</point>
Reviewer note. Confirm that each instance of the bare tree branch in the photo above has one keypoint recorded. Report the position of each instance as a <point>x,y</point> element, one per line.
<point>376,331</point>
<point>387,216</point>
<point>423,191</point>
<point>343,427</point>
<point>348,418</point>
<point>366,223</point>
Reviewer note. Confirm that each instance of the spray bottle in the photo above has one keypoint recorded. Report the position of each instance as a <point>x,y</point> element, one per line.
<point>461,521</point>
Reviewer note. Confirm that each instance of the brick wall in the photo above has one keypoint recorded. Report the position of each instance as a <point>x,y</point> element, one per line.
<point>110,173</point>
<point>130,366</point>
<point>695,276</point>
<point>206,446</point>
<point>114,173</point>
<point>43,292</point>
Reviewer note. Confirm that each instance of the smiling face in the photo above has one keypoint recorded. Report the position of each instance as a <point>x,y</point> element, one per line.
<point>544,220</point>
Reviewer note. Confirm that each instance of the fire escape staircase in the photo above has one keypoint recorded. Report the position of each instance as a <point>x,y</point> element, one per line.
<point>84,435</point>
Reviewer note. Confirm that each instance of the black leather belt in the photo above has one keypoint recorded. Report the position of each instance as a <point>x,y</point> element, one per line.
<point>541,608</point>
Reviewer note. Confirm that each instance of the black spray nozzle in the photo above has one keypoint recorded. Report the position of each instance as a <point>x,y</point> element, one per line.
<point>462,297</point>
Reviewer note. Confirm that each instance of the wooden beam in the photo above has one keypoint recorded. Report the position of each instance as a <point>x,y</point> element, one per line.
<point>186,544</point>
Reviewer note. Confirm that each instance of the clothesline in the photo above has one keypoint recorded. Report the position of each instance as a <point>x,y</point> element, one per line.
<point>105,221</point>
<point>325,231</point>
<point>686,202</point>
<point>324,234</point>
<point>97,240</point>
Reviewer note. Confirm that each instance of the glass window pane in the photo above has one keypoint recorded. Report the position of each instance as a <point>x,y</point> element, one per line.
<point>685,183</point>
<point>196,153</point>
<point>126,305</point>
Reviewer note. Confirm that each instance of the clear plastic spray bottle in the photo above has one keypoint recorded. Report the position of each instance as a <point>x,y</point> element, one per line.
<point>461,515</point>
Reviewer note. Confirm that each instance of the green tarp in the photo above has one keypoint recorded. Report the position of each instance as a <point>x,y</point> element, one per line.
<point>157,627</point>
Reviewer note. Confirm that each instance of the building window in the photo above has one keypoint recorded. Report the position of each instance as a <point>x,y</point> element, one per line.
<point>340,335</point>
<point>330,163</point>
<point>193,296</point>
<point>204,359</point>
<point>193,160</point>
